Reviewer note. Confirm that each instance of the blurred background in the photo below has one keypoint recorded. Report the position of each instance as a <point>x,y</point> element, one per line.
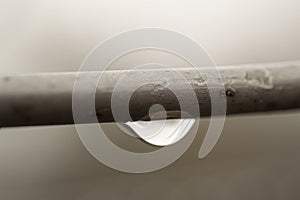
<point>256,156</point>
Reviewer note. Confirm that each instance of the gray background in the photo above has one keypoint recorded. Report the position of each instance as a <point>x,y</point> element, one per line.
<point>256,157</point>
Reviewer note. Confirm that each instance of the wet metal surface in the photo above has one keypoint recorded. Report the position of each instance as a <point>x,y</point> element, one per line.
<point>46,99</point>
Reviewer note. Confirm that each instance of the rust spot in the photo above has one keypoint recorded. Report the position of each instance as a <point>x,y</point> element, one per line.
<point>230,93</point>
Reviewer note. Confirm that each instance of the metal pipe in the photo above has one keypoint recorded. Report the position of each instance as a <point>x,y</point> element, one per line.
<point>46,99</point>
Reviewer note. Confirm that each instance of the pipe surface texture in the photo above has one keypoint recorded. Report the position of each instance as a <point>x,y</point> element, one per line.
<point>46,99</point>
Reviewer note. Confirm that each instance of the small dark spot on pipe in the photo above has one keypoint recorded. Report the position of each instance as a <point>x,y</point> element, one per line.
<point>6,79</point>
<point>230,92</point>
<point>52,86</point>
<point>272,105</point>
<point>22,111</point>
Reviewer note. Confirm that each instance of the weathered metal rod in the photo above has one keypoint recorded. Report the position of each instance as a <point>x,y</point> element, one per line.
<point>46,99</point>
